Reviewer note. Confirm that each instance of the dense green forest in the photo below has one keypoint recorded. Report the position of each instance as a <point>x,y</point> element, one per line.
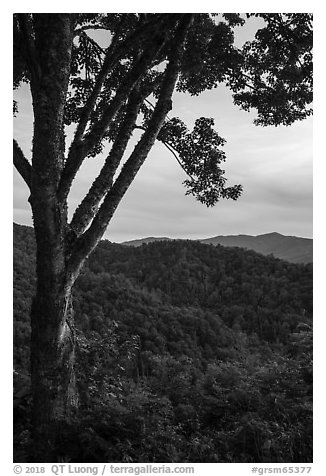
<point>186,353</point>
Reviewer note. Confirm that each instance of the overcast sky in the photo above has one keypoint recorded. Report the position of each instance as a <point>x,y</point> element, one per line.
<point>273,164</point>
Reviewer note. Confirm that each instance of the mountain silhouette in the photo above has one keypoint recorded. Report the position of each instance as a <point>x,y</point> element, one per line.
<point>289,248</point>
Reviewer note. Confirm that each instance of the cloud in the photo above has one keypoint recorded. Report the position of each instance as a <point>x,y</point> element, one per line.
<point>274,165</point>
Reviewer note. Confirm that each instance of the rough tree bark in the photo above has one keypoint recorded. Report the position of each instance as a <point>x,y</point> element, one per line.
<point>52,336</point>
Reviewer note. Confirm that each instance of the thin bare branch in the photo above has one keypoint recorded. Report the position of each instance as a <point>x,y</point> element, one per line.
<point>170,149</point>
<point>93,42</point>
<point>173,152</point>
<point>153,107</point>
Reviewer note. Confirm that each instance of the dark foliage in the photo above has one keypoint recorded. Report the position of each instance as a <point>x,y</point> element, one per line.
<point>186,352</point>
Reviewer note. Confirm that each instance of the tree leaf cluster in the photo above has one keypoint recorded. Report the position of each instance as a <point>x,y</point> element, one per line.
<point>115,55</point>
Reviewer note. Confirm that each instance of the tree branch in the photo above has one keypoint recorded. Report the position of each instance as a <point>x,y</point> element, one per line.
<point>173,152</point>
<point>85,28</point>
<point>79,149</point>
<point>89,239</point>
<point>22,165</point>
<point>114,53</point>
<point>28,46</point>
<point>89,206</point>
<point>285,31</point>
<point>170,149</point>
<point>93,42</point>
<point>167,145</point>
<point>139,69</point>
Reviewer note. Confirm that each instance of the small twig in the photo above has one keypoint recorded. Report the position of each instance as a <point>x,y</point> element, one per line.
<point>91,40</point>
<point>170,149</point>
<point>152,106</point>
<point>79,31</point>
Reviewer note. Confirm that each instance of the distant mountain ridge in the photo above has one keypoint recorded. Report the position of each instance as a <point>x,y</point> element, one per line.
<point>149,239</point>
<point>289,248</point>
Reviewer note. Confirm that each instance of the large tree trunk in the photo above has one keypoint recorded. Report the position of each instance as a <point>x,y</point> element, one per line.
<point>62,249</point>
<point>52,336</point>
<point>52,327</point>
<point>52,368</point>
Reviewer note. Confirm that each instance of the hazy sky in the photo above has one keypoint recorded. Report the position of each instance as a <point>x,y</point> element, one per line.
<point>273,164</point>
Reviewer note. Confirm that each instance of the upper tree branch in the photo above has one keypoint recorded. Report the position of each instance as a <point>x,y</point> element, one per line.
<point>89,206</point>
<point>114,53</point>
<point>86,242</point>
<point>140,67</point>
<point>84,28</point>
<point>28,46</point>
<point>279,21</point>
<point>22,164</point>
<point>79,149</point>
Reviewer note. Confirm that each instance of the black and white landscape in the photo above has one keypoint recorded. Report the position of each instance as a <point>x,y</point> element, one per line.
<point>193,133</point>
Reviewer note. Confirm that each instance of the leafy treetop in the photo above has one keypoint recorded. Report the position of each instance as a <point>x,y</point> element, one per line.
<point>127,84</point>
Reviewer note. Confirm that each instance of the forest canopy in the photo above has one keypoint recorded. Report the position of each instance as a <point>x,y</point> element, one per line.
<point>199,352</point>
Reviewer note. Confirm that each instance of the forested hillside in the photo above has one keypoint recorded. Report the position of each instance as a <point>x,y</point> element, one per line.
<point>187,352</point>
<point>289,248</point>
